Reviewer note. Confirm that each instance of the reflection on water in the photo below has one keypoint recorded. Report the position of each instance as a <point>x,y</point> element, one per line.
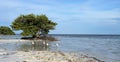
<point>37,47</point>
<point>27,46</point>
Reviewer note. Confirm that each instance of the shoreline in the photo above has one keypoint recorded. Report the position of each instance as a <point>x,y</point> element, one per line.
<point>17,40</point>
<point>41,56</point>
<point>44,56</point>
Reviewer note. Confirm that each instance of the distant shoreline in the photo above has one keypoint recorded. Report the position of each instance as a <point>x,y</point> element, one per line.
<point>75,34</point>
<point>89,34</point>
<point>16,40</point>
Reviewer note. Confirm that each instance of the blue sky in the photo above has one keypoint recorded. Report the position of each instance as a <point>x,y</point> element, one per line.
<point>72,16</point>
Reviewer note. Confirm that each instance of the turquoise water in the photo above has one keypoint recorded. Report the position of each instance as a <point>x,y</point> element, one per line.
<point>104,47</point>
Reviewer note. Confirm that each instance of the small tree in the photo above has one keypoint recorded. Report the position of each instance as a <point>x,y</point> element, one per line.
<point>4,30</point>
<point>34,25</point>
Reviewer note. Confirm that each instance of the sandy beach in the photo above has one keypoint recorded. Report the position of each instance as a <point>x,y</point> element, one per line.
<point>41,56</point>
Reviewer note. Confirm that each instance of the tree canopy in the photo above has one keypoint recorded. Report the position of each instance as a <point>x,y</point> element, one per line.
<point>33,24</point>
<point>4,30</point>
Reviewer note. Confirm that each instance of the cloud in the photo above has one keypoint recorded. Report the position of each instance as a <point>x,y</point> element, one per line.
<point>85,13</point>
<point>84,10</point>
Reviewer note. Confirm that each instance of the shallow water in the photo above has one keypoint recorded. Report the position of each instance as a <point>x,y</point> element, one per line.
<point>104,47</point>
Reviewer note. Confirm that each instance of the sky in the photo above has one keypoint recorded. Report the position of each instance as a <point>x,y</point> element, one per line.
<point>72,16</point>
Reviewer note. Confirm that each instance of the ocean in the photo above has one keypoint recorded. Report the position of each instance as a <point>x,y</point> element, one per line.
<point>103,47</point>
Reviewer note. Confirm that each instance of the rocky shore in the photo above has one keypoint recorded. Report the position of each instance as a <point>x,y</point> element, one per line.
<point>41,56</point>
<point>44,56</point>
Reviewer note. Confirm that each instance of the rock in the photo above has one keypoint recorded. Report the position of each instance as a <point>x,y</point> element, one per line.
<point>24,61</point>
<point>46,56</point>
<point>3,53</point>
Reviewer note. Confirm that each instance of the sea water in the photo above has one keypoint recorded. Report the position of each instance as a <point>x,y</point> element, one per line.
<point>103,47</point>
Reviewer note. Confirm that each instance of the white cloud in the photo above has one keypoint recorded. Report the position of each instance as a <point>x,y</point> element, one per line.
<point>85,16</point>
<point>61,12</point>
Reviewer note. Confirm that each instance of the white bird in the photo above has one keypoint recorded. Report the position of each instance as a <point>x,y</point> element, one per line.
<point>47,44</point>
<point>57,44</point>
<point>33,43</point>
<point>44,43</point>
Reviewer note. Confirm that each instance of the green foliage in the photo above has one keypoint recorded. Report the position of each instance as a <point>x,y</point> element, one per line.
<point>6,31</point>
<point>33,24</point>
